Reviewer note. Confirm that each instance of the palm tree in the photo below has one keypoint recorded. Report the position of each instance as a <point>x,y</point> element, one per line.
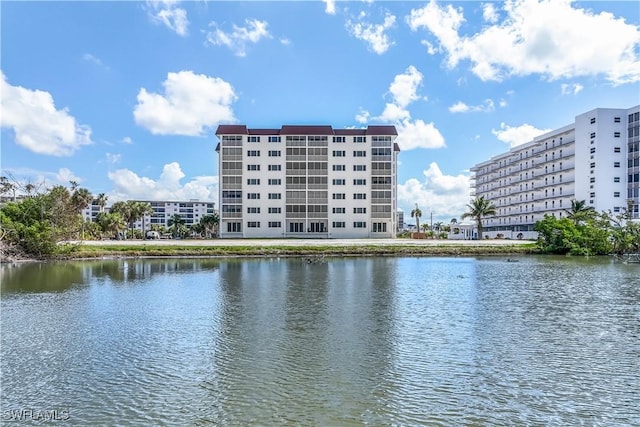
<point>131,211</point>
<point>416,213</point>
<point>579,211</point>
<point>453,221</point>
<point>80,199</point>
<point>438,226</point>
<point>110,222</point>
<point>210,223</point>
<point>479,208</point>
<point>176,225</point>
<point>101,200</point>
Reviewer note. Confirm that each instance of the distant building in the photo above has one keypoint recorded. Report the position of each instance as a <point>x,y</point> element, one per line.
<point>400,220</point>
<point>307,181</point>
<point>595,159</point>
<point>190,211</point>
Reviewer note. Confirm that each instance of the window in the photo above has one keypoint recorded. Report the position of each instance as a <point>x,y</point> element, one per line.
<point>339,168</point>
<point>592,180</point>
<point>339,139</point>
<point>274,139</point>
<point>339,210</point>
<point>253,181</point>
<point>253,196</point>
<point>359,168</point>
<point>338,196</point>
<point>359,210</point>
<point>275,196</point>
<point>616,134</point>
<point>253,153</point>
<point>593,120</point>
<point>275,181</point>
<point>616,209</point>
<point>254,139</point>
<point>253,224</point>
<point>360,153</point>
<point>234,227</point>
<point>593,164</point>
<point>275,153</point>
<point>592,194</point>
<point>339,153</point>
<point>338,224</point>
<point>616,179</point>
<point>275,224</point>
<point>275,167</point>
<point>275,210</point>
<point>379,227</point>
<point>359,182</point>
<point>359,224</point>
<point>253,167</point>
<point>616,194</point>
<point>359,139</point>
<point>359,196</point>
<point>592,150</point>
<point>616,164</point>
<point>339,182</point>
<point>616,120</point>
<point>616,149</point>
<point>593,135</point>
<point>253,210</point>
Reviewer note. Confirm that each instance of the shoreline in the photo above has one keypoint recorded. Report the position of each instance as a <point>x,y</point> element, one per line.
<point>269,248</point>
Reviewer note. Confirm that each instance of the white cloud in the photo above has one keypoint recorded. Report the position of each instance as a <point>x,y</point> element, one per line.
<point>238,39</point>
<point>94,60</point>
<point>330,6</point>
<point>444,195</point>
<point>373,34</point>
<point>411,133</point>
<point>37,124</point>
<point>362,116</point>
<point>571,88</point>
<point>127,140</point>
<point>166,12</point>
<point>168,186</point>
<point>517,135</point>
<point>405,86</point>
<point>65,175</point>
<point>503,103</point>
<point>460,107</point>
<point>191,103</point>
<point>489,13</point>
<point>113,159</point>
<point>418,134</point>
<point>546,37</point>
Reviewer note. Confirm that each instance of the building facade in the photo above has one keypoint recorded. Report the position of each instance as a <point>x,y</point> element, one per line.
<point>595,159</point>
<point>307,182</point>
<point>190,211</point>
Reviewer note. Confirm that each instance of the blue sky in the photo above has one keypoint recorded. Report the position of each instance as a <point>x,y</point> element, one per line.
<point>124,97</point>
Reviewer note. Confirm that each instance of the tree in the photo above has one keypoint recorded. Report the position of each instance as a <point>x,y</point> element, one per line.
<point>131,211</point>
<point>438,226</point>
<point>80,199</point>
<point>210,224</point>
<point>478,209</point>
<point>101,200</point>
<point>6,186</point>
<point>579,211</point>
<point>111,223</point>
<point>177,226</point>
<point>416,213</point>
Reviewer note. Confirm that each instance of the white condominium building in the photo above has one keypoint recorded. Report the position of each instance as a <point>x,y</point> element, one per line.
<point>307,181</point>
<point>595,159</point>
<point>190,211</point>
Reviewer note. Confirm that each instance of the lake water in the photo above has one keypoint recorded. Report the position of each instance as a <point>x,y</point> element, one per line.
<point>334,342</point>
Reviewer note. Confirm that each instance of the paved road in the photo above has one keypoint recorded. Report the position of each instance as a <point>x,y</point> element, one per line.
<point>307,242</point>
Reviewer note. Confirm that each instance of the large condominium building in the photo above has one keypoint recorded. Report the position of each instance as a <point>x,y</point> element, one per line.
<point>595,159</point>
<point>190,211</point>
<point>307,181</point>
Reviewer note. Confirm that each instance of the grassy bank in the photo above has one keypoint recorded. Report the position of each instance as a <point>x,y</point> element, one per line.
<point>98,251</point>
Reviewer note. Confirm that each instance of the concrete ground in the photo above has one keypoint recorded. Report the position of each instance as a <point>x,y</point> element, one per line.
<point>307,242</point>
